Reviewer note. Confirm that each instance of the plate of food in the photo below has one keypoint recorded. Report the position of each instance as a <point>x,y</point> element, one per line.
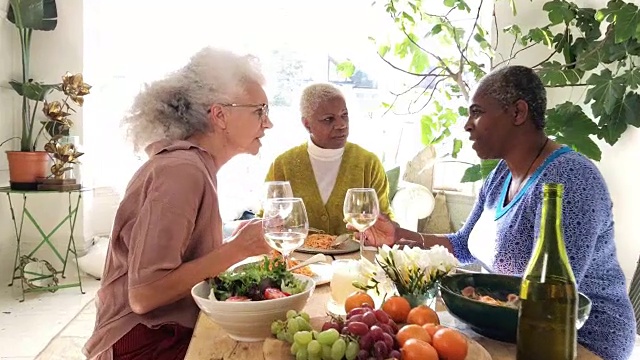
<point>321,244</point>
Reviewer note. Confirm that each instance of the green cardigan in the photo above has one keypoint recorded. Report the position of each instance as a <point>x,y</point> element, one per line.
<point>359,169</point>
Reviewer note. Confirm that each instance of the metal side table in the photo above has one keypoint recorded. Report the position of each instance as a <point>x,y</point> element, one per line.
<point>20,261</point>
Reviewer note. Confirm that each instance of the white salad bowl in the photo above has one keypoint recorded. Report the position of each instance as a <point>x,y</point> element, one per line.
<point>249,321</point>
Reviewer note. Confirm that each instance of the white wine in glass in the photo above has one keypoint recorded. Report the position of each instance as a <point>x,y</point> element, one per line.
<point>361,210</point>
<point>285,225</point>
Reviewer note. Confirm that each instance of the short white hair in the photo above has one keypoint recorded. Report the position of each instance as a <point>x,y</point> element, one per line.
<point>315,94</point>
<point>177,106</point>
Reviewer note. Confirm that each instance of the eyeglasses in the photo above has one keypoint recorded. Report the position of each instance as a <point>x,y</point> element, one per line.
<point>262,109</point>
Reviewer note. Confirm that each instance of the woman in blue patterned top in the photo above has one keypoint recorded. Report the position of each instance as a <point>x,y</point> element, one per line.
<point>506,121</point>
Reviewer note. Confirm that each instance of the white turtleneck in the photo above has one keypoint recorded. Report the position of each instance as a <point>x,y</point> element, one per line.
<point>325,164</point>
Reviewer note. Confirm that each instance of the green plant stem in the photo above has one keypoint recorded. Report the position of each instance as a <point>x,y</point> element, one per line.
<point>25,141</point>
<point>32,125</point>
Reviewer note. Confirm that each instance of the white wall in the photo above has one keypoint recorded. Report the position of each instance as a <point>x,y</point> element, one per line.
<point>52,54</point>
<point>619,163</point>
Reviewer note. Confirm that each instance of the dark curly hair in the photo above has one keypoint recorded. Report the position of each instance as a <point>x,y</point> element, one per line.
<point>512,83</point>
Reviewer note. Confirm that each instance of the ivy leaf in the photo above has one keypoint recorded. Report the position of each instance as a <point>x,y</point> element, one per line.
<point>479,171</point>
<point>554,74</point>
<point>626,24</point>
<point>457,146</point>
<point>605,92</point>
<point>569,125</point>
<point>632,78</point>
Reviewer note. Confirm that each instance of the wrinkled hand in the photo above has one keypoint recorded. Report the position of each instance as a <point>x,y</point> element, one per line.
<point>250,237</point>
<point>381,233</point>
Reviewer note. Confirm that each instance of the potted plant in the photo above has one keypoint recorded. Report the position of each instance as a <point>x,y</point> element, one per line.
<point>27,164</point>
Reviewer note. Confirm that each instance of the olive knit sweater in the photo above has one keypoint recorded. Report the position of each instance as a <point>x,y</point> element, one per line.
<point>359,168</point>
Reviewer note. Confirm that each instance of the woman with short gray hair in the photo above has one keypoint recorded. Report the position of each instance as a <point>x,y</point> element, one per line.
<point>167,233</point>
<point>324,167</point>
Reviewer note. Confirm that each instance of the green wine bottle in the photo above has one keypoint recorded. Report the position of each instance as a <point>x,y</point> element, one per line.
<point>548,295</point>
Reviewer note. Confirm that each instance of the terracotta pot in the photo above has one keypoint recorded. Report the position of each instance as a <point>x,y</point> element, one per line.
<point>26,168</point>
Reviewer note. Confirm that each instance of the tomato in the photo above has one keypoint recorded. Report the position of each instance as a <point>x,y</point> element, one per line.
<point>397,308</point>
<point>432,328</point>
<point>450,344</point>
<point>356,300</point>
<point>421,315</point>
<point>272,293</point>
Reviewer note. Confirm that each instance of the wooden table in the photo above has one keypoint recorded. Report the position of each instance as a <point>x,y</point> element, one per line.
<point>211,342</point>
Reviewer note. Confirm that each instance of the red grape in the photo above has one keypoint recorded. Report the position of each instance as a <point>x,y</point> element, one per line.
<point>330,325</point>
<point>387,328</point>
<point>357,317</point>
<point>365,342</point>
<point>366,305</point>
<point>394,326</point>
<point>382,316</point>
<point>380,350</point>
<point>395,354</point>
<point>363,355</point>
<point>357,328</point>
<point>355,311</point>
<point>388,340</point>
<point>369,318</point>
<point>377,333</point>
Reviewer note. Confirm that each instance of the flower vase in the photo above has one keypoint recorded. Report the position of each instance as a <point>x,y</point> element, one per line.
<point>428,298</point>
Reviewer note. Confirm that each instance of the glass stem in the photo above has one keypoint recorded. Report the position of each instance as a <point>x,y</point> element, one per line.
<point>285,257</point>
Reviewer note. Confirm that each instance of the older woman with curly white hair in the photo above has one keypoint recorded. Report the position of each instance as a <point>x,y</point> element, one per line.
<point>167,233</point>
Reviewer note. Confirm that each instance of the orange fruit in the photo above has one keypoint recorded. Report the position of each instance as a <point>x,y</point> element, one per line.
<point>397,308</point>
<point>450,344</point>
<point>421,315</point>
<point>412,331</point>
<point>432,328</point>
<point>356,299</point>
<point>415,349</point>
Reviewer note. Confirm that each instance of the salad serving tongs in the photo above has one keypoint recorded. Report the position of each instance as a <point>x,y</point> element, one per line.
<point>312,260</point>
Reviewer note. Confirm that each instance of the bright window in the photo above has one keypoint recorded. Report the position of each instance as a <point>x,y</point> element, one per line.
<point>128,43</point>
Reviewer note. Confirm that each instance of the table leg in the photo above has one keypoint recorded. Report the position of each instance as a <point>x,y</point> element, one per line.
<point>18,233</point>
<point>73,215</point>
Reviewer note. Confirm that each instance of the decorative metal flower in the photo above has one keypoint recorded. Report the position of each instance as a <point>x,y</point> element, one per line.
<point>75,87</point>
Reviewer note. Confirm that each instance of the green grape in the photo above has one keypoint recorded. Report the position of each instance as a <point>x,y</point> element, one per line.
<point>302,354</point>
<point>288,338</point>
<point>282,336</point>
<point>315,333</point>
<point>294,348</point>
<point>291,314</point>
<point>302,337</point>
<point>326,352</point>
<point>328,337</point>
<point>338,348</point>
<point>314,357</point>
<point>276,327</point>
<point>314,348</point>
<point>352,350</point>
<point>303,324</point>
<point>305,316</point>
<point>292,326</point>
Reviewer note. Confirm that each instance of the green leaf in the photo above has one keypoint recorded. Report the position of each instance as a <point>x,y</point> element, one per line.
<point>383,50</point>
<point>605,92</point>
<point>588,24</point>
<point>419,61</point>
<point>346,69</point>
<point>628,110</point>
<point>32,90</point>
<point>632,78</point>
<point>33,14</point>
<point>436,29</point>
<point>463,111</point>
<point>568,124</point>
<point>426,130</point>
<point>627,20</point>
<point>541,36</point>
<point>450,3</point>
<point>479,171</point>
<point>457,146</point>
<point>559,12</point>
<point>554,74</point>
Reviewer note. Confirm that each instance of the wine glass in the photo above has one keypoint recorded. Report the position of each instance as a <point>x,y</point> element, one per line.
<point>285,225</point>
<point>361,210</point>
<point>277,189</point>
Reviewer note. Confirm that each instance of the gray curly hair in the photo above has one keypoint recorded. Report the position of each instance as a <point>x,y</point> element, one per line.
<point>177,106</point>
<point>314,94</point>
<point>512,83</point>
